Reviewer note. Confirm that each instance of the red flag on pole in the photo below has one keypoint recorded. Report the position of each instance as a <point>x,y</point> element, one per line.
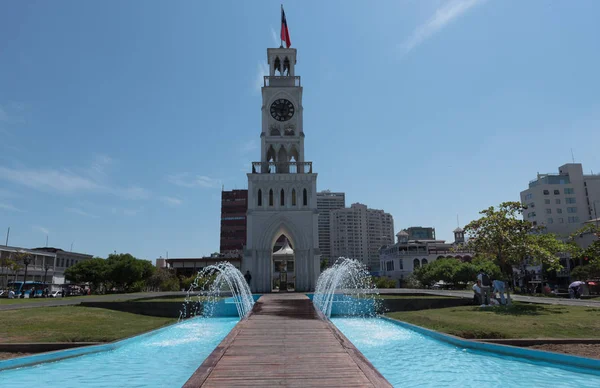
<point>285,33</point>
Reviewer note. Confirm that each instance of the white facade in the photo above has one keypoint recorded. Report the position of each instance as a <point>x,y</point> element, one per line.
<point>282,188</point>
<point>401,259</point>
<point>562,202</point>
<point>358,232</point>
<point>326,202</point>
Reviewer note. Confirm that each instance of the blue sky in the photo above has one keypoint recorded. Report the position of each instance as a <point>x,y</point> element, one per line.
<point>120,121</point>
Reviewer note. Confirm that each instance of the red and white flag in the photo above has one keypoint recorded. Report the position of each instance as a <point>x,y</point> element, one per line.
<point>285,33</point>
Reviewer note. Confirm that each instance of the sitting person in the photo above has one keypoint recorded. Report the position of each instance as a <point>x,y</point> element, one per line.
<point>477,293</point>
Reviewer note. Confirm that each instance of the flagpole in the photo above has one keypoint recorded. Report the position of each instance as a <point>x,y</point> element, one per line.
<point>281,28</point>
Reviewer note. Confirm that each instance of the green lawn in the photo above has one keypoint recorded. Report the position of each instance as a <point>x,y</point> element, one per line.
<point>73,324</point>
<point>5,301</point>
<point>520,320</point>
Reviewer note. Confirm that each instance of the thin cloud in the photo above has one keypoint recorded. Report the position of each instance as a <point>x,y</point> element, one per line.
<point>41,229</point>
<point>80,212</point>
<point>69,182</point>
<point>10,207</point>
<point>185,179</point>
<point>172,201</point>
<point>275,37</point>
<point>262,70</point>
<point>55,180</point>
<point>249,146</point>
<point>443,16</point>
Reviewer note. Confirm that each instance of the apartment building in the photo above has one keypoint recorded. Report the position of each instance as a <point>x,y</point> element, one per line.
<point>327,201</point>
<point>359,232</point>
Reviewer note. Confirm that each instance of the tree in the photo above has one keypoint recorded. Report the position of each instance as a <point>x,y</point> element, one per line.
<point>501,236</point>
<point>6,265</point>
<point>453,270</point>
<point>93,271</point>
<point>124,270</point>
<point>589,256</point>
<point>163,280</point>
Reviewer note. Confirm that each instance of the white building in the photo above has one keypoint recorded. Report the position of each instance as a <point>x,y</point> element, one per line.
<point>358,232</point>
<point>399,260</point>
<point>282,188</point>
<point>44,264</point>
<point>562,202</point>
<point>326,202</point>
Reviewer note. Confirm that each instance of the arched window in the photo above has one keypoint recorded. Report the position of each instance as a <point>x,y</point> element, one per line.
<point>271,197</point>
<point>424,261</point>
<point>416,263</point>
<point>282,198</point>
<point>259,197</point>
<point>293,197</point>
<point>304,198</point>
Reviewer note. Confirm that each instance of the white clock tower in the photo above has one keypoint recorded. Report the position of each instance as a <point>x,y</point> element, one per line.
<point>282,189</point>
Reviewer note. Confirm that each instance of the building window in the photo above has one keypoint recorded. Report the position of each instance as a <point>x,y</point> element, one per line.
<point>271,197</point>
<point>416,263</point>
<point>293,197</point>
<point>389,265</point>
<point>546,192</point>
<point>259,197</point>
<point>282,198</point>
<point>547,201</point>
<point>569,190</point>
<point>570,200</point>
<point>573,220</point>
<point>424,261</point>
<point>571,210</point>
<point>557,201</point>
<point>304,198</point>
<point>556,192</point>
<point>550,221</point>
<point>532,205</point>
<point>528,196</point>
<point>548,211</point>
<point>559,211</point>
<point>561,220</point>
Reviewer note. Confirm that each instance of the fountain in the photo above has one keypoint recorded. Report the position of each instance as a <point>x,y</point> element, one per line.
<point>211,286</point>
<point>346,288</point>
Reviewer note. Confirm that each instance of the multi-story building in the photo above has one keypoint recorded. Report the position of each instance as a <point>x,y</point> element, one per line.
<point>234,205</point>
<point>359,232</point>
<point>562,202</point>
<point>188,266</point>
<point>420,233</point>
<point>399,260</point>
<point>326,202</point>
<point>43,264</point>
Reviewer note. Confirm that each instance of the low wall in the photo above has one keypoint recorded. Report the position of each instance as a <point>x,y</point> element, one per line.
<point>409,304</point>
<point>154,309</point>
<point>42,347</point>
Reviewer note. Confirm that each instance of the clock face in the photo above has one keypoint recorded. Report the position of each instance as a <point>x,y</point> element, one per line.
<point>282,109</point>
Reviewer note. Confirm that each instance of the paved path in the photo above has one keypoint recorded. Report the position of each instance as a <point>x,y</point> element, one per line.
<point>518,298</point>
<point>283,343</point>
<point>71,301</point>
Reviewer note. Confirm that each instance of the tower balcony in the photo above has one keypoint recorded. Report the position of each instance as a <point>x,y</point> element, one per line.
<point>281,81</point>
<point>282,167</point>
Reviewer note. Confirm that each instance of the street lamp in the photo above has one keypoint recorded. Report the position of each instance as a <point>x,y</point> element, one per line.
<point>46,268</point>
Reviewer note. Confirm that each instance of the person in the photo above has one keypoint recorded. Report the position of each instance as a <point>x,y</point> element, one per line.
<point>499,286</point>
<point>248,277</point>
<point>485,287</point>
<point>11,294</point>
<point>477,292</point>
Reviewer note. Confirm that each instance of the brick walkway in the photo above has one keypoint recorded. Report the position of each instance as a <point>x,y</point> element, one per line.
<point>284,344</point>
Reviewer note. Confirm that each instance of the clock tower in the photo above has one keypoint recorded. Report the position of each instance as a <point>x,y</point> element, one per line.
<point>282,189</point>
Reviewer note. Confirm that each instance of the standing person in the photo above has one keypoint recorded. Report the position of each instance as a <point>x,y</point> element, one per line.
<point>248,277</point>
<point>477,293</point>
<point>485,287</point>
<point>499,286</point>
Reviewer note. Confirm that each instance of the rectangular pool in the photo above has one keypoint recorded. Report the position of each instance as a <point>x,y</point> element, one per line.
<point>164,358</point>
<point>407,358</point>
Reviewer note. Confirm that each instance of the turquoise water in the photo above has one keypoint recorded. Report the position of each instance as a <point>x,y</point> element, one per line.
<point>409,359</point>
<point>166,358</point>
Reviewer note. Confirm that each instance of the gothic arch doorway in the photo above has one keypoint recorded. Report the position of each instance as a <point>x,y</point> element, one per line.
<point>283,265</point>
